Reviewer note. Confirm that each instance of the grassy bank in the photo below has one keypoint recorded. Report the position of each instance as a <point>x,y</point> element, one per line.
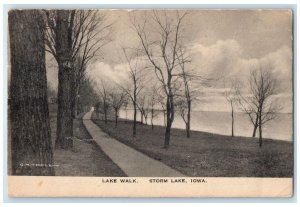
<point>86,158</point>
<point>206,154</point>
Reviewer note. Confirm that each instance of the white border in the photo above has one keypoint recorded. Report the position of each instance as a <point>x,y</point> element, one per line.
<point>157,2</point>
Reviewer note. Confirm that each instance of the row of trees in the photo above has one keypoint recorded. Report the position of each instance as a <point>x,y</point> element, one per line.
<point>73,38</point>
<point>160,77</point>
<point>113,97</point>
<point>162,53</point>
<point>257,100</point>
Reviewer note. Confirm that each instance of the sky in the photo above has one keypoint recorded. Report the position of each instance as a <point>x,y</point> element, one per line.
<point>220,43</point>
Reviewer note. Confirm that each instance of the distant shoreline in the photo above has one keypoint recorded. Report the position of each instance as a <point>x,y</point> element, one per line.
<point>238,112</point>
<point>214,122</point>
<point>213,133</point>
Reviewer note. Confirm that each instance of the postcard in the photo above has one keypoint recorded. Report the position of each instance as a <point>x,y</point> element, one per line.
<point>150,103</point>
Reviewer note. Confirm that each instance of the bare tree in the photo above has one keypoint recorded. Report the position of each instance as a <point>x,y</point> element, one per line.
<point>30,126</point>
<point>88,96</point>
<point>232,97</point>
<point>72,35</point>
<point>93,32</point>
<point>161,53</point>
<point>260,105</point>
<point>63,55</point>
<point>153,102</point>
<point>182,110</point>
<point>143,106</point>
<point>192,82</point>
<point>136,77</point>
<point>185,111</point>
<point>118,98</point>
<point>104,94</point>
<point>162,102</point>
<point>125,105</point>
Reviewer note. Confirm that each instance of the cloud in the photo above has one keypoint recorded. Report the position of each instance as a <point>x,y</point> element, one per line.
<point>100,70</point>
<point>120,73</point>
<point>280,62</point>
<point>224,60</point>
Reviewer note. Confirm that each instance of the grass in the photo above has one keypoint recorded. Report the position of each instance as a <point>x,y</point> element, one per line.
<point>207,154</point>
<point>85,158</point>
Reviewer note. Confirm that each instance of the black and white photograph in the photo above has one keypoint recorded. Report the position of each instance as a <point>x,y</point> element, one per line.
<point>163,94</point>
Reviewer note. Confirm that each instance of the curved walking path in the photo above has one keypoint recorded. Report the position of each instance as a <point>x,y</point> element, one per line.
<point>132,162</point>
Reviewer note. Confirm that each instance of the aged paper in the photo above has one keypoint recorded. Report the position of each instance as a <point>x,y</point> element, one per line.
<point>150,103</point>
<point>21,186</point>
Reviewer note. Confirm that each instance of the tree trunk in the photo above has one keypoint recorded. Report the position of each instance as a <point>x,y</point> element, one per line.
<point>135,110</point>
<point>152,115</point>
<point>260,136</point>
<point>75,104</point>
<point>188,123</point>
<point>168,126</point>
<point>167,133</point>
<point>142,118</point>
<point>116,117</point>
<point>254,130</point>
<point>134,119</point>
<point>170,117</point>
<point>105,112</point>
<point>255,125</point>
<point>232,120</point>
<point>187,129</point>
<point>31,145</point>
<point>260,130</point>
<point>64,114</point>
<point>73,95</point>
<point>165,123</point>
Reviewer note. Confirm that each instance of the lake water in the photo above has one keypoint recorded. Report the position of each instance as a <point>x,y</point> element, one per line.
<point>220,123</point>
